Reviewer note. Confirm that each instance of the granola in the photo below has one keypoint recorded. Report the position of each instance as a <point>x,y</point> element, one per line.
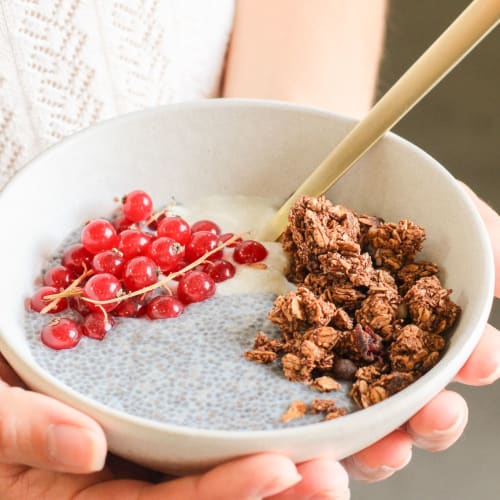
<point>300,310</point>
<point>328,407</point>
<point>367,393</point>
<point>364,310</point>
<point>325,384</point>
<point>408,275</point>
<point>335,413</point>
<point>430,306</point>
<point>259,356</point>
<point>380,313</point>
<point>322,405</point>
<point>296,410</point>
<point>325,406</point>
<point>318,227</point>
<point>415,350</point>
<point>339,292</point>
<point>393,245</point>
<point>265,349</point>
<point>323,336</point>
<point>263,343</point>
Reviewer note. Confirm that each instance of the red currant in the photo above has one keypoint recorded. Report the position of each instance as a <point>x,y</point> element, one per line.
<point>121,223</point>
<point>167,253</point>
<point>134,243</point>
<point>153,225</point>
<point>249,251</point>
<point>133,307</point>
<point>176,228</point>
<point>137,206</point>
<point>103,286</point>
<point>205,225</point>
<point>204,267</point>
<point>109,261</point>
<point>182,264</point>
<point>76,257</point>
<point>99,235</point>
<point>164,306</point>
<point>38,301</point>
<point>220,270</point>
<point>195,287</point>
<point>201,243</point>
<point>58,277</point>
<point>96,324</point>
<point>61,333</point>
<point>226,236</point>
<point>139,272</point>
<point>79,305</point>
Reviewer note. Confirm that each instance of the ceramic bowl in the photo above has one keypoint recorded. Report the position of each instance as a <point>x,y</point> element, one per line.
<point>236,147</point>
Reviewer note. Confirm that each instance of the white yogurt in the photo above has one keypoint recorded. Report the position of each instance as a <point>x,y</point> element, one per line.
<point>244,214</point>
<point>234,214</point>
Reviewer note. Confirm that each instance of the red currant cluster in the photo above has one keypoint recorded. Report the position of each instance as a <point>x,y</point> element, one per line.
<point>123,268</point>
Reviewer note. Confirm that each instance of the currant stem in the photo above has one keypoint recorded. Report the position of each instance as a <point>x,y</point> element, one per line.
<point>170,277</point>
<point>157,215</point>
<point>71,291</point>
<point>104,312</point>
<point>74,291</point>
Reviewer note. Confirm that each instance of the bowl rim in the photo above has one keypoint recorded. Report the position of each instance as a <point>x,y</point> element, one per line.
<point>51,386</point>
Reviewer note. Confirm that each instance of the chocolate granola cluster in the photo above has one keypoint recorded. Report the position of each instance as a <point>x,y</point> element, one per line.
<point>364,310</point>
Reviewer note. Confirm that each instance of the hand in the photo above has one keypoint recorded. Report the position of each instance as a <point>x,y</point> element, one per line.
<point>48,450</point>
<point>441,422</point>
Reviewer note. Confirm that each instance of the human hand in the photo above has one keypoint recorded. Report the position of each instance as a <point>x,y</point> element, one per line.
<point>441,422</point>
<point>51,451</point>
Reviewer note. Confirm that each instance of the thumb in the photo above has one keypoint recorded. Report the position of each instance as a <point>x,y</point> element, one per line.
<point>41,432</point>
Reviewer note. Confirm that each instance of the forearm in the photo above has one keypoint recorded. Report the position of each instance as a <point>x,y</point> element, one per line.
<point>323,53</point>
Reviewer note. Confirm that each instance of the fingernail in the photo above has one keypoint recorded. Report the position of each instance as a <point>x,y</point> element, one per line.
<point>438,438</point>
<point>75,448</point>
<point>495,375</point>
<point>332,495</point>
<point>363,472</point>
<point>279,484</point>
<point>439,433</point>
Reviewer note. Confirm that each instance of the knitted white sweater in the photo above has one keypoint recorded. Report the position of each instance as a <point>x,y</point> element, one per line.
<point>65,64</point>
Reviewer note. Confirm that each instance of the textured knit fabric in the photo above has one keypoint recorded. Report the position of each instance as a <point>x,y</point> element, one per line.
<point>66,64</point>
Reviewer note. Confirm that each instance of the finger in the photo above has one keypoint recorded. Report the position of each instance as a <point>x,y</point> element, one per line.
<point>8,375</point>
<point>483,365</point>
<point>322,479</point>
<point>41,432</point>
<point>492,222</point>
<point>382,459</point>
<point>248,478</point>
<point>440,423</point>
<point>253,477</point>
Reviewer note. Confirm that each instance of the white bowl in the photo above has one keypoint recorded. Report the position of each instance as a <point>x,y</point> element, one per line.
<point>236,147</point>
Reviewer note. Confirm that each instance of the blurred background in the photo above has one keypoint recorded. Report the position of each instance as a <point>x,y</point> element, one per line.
<point>459,125</point>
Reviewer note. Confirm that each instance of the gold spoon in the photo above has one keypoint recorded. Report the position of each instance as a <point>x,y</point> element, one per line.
<point>475,22</point>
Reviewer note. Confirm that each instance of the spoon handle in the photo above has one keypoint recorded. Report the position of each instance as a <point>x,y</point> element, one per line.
<point>475,22</point>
